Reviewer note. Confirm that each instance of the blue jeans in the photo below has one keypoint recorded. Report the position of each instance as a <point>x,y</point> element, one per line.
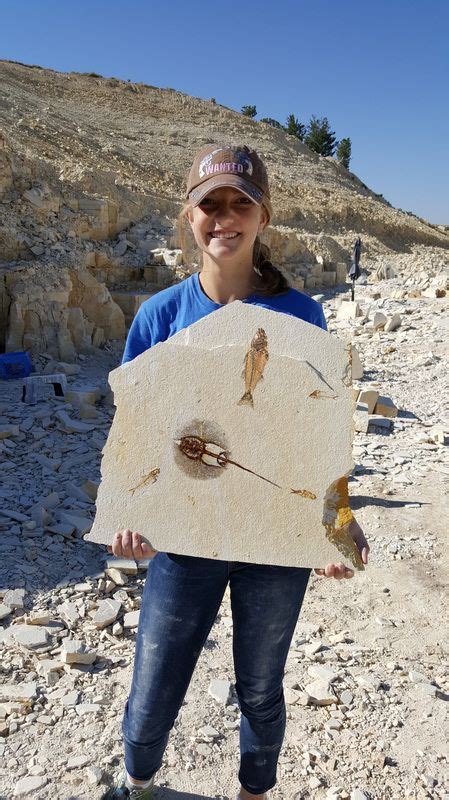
<point>180,602</point>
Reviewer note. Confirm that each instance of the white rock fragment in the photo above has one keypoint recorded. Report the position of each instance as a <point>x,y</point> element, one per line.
<point>14,598</point>
<point>379,320</point>
<point>77,762</point>
<point>348,310</point>
<point>209,732</point>
<point>5,611</point>
<point>385,407</point>
<point>393,323</point>
<point>33,637</point>
<point>20,692</point>
<point>321,693</point>
<point>75,652</point>
<point>72,425</point>
<point>131,619</point>
<point>26,786</point>
<point>361,417</point>
<point>106,613</point>
<point>220,690</point>
<point>87,708</point>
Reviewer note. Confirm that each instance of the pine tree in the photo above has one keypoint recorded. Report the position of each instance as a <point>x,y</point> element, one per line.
<point>344,152</point>
<point>294,127</point>
<point>319,137</point>
<point>249,111</point>
<point>273,122</point>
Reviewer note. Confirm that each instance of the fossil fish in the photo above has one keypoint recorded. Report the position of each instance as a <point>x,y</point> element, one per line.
<point>146,479</point>
<point>304,493</point>
<point>255,361</point>
<point>319,395</point>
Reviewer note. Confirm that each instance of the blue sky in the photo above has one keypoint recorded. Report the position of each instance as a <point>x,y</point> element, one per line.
<point>378,70</point>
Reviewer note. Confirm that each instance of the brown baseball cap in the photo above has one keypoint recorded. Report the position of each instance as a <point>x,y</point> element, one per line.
<point>221,165</point>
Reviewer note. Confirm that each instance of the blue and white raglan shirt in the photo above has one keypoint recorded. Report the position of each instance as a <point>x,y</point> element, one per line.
<point>181,305</point>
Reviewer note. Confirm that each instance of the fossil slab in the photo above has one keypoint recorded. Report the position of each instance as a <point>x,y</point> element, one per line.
<point>231,440</point>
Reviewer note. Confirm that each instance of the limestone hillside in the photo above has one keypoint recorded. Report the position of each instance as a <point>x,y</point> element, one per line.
<point>92,174</point>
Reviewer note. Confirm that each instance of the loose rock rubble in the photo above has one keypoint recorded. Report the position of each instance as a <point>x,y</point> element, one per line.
<point>366,685</point>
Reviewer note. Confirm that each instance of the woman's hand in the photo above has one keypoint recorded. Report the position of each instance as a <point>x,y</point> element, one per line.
<point>127,544</point>
<point>339,571</point>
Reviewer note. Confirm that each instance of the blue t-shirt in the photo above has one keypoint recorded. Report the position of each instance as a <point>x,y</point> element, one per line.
<point>179,306</point>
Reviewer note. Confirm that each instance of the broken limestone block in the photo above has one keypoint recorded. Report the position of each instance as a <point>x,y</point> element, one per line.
<point>18,693</point>
<point>75,652</point>
<point>32,637</point>
<point>385,407</point>
<point>438,435</point>
<point>81,524</point>
<point>377,421</point>
<point>220,690</point>
<point>131,619</point>
<point>370,397</point>
<point>42,387</point>
<point>106,613</point>
<point>393,323</point>
<point>379,320</point>
<point>5,611</point>
<point>349,310</point>
<point>91,489</point>
<point>14,598</point>
<point>361,418</point>
<point>87,411</point>
<point>79,398</point>
<point>221,460</point>
<point>126,565</point>
<point>9,431</point>
<point>356,365</point>
<point>72,425</point>
<point>342,273</point>
<point>25,787</point>
<point>321,693</point>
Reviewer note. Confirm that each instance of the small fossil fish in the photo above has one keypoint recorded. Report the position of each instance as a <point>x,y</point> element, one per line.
<point>304,493</point>
<point>319,395</point>
<point>255,361</point>
<point>146,479</point>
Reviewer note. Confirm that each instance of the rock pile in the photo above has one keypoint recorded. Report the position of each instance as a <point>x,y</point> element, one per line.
<point>88,209</point>
<point>365,681</point>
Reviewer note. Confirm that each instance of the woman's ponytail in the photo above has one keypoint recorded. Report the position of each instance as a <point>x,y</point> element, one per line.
<point>272,280</point>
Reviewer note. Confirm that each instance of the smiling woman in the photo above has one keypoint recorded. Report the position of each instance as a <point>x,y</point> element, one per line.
<point>227,208</point>
<point>229,186</point>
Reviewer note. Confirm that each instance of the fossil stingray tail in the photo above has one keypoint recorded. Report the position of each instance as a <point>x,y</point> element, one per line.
<point>246,399</point>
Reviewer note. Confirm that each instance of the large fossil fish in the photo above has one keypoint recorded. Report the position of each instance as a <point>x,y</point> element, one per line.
<point>255,361</point>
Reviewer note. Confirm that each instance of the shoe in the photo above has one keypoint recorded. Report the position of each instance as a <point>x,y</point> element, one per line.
<point>123,791</point>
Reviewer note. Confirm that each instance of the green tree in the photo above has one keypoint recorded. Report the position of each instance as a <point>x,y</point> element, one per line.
<point>319,136</point>
<point>294,127</point>
<point>344,152</point>
<point>249,111</point>
<point>273,122</point>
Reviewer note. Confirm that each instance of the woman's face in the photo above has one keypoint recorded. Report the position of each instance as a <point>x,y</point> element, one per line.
<point>226,223</point>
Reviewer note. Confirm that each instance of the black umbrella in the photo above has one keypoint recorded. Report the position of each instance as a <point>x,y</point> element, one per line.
<point>354,270</point>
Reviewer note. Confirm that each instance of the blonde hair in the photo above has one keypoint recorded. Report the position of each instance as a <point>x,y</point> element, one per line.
<point>272,279</point>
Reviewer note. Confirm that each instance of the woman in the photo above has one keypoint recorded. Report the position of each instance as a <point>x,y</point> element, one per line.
<point>227,207</point>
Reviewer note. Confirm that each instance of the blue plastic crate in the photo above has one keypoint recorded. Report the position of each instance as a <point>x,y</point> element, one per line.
<point>15,365</point>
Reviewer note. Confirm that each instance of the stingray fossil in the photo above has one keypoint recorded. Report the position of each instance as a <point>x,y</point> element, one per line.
<point>213,455</point>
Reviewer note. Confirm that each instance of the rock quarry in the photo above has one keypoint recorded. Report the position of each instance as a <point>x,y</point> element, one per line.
<point>91,183</point>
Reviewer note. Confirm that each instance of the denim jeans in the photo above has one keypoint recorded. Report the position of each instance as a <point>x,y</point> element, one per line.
<point>180,602</point>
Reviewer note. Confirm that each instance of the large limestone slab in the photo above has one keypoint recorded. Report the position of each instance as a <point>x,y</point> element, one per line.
<point>205,459</point>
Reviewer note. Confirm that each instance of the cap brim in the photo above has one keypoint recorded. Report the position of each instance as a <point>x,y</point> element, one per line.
<point>249,189</point>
